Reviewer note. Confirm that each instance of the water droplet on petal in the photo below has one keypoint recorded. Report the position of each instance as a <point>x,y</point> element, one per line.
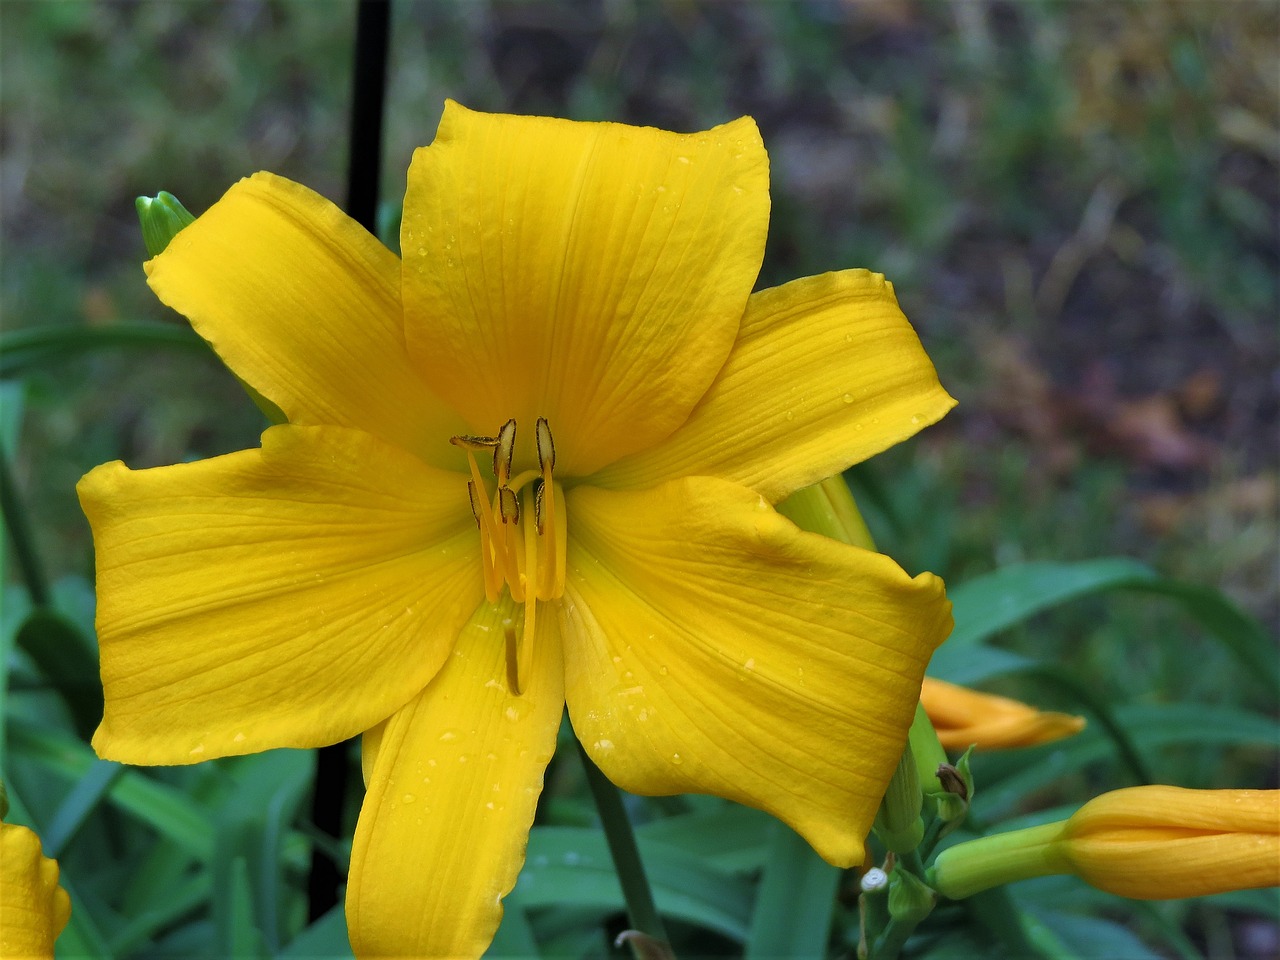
<point>663,670</point>
<point>408,798</point>
<point>677,759</point>
<point>448,735</point>
<point>790,415</point>
<point>847,398</point>
<point>602,745</point>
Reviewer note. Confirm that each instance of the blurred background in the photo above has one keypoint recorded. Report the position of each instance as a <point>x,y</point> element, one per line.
<point>1078,203</point>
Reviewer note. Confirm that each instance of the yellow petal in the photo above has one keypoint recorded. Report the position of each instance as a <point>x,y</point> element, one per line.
<point>826,372</point>
<point>590,273</point>
<point>455,782</point>
<point>304,305</point>
<point>963,717</point>
<point>713,647</point>
<point>33,908</point>
<point>285,597</point>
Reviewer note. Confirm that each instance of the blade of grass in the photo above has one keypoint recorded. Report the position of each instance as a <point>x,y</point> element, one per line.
<point>165,808</point>
<point>795,902</point>
<point>78,804</point>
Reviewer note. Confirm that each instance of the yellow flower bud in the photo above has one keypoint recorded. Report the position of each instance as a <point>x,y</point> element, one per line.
<point>1147,843</point>
<point>1161,843</point>
<point>963,717</point>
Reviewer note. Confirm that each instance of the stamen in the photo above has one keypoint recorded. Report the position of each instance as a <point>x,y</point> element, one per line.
<point>508,505</point>
<point>468,442</point>
<point>513,671</point>
<point>504,451</point>
<point>530,598</point>
<point>488,542</point>
<point>559,539</point>
<point>475,501</point>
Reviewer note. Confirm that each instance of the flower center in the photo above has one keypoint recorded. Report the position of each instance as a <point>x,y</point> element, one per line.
<point>522,531</point>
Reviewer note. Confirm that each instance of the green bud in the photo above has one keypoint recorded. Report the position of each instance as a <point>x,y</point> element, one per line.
<point>162,218</point>
<point>957,782</point>
<point>928,753</point>
<point>898,824</point>
<point>828,508</point>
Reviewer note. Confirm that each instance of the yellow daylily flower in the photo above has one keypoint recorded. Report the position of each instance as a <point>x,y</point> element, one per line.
<point>33,908</point>
<point>964,717</point>
<point>1147,843</point>
<point>532,463</point>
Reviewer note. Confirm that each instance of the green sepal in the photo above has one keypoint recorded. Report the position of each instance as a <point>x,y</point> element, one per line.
<point>162,217</point>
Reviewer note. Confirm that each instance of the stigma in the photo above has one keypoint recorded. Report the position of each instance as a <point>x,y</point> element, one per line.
<point>522,528</point>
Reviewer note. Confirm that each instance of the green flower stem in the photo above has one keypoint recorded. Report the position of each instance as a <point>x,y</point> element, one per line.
<point>641,910</point>
<point>364,165</point>
<point>977,865</point>
<point>24,547</point>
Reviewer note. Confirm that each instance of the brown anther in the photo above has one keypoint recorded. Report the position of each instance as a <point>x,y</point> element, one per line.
<point>546,446</point>
<point>503,451</point>
<point>508,505</point>
<point>468,442</point>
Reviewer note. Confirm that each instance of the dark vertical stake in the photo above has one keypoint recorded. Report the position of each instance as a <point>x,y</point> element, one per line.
<point>373,18</point>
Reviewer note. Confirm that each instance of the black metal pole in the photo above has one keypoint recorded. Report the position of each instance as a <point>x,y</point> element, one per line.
<point>373,19</point>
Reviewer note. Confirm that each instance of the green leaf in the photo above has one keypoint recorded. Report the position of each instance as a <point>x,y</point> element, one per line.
<point>20,350</point>
<point>78,804</point>
<point>989,604</point>
<point>571,866</point>
<point>70,663</point>
<point>170,811</point>
<point>1007,779</point>
<point>795,902</point>
<point>326,939</point>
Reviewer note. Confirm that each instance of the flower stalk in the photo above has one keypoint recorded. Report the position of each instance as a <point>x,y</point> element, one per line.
<point>642,912</point>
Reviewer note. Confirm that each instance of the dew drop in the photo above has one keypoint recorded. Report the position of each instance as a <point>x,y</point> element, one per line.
<point>663,670</point>
<point>603,745</point>
<point>683,159</point>
<point>751,663</point>
<point>422,251</point>
<point>197,749</point>
<point>448,735</point>
<point>489,805</point>
<point>677,759</point>
<point>512,713</point>
<point>847,398</point>
<point>408,798</point>
<point>238,738</point>
<point>916,418</point>
<point>790,415</point>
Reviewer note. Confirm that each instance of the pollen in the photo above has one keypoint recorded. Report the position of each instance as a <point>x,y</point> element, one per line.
<point>522,530</point>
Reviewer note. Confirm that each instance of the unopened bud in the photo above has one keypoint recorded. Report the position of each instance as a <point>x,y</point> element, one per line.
<point>162,218</point>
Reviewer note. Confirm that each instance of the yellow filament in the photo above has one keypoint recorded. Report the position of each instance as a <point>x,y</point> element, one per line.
<point>492,581</point>
<point>547,575</point>
<point>559,530</point>
<point>530,598</point>
<point>513,670</point>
